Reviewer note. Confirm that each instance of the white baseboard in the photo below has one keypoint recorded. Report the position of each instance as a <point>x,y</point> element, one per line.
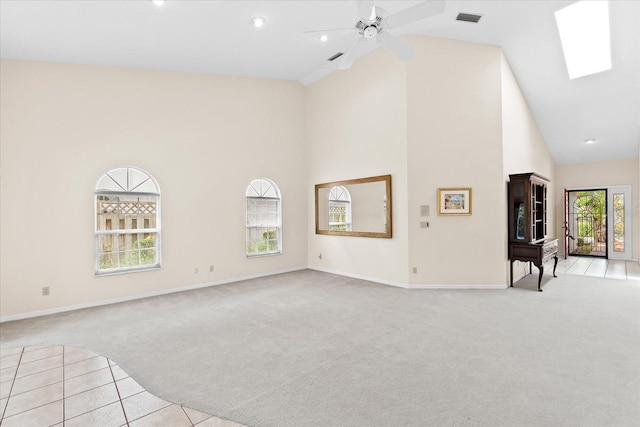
<point>412,286</point>
<point>458,286</point>
<point>358,276</point>
<point>140,296</point>
<point>239,279</point>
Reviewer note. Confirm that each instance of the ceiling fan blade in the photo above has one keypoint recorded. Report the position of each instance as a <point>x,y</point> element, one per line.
<point>399,48</point>
<point>415,13</point>
<point>330,30</point>
<point>366,10</point>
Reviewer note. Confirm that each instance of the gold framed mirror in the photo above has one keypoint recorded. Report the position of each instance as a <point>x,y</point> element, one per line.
<point>355,207</point>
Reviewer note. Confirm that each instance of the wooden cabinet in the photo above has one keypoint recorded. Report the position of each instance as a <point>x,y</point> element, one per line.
<point>528,223</point>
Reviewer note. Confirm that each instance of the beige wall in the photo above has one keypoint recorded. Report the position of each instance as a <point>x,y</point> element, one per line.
<point>524,151</point>
<point>454,127</point>
<point>598,175</point>
<point>356,128</point>
<point>436,121</point>
<point>451,117</point>
<point>204,138</point>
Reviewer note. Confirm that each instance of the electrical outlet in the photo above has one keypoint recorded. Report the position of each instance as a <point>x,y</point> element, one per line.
<point>211,268</point>
<point>195,270</point>
<point>45,291</point>
<point>319,256</point>
<point>424,224</point>
<point>415,270</point>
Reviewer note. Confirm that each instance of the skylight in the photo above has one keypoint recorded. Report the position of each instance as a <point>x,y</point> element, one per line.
<point>584,33</point>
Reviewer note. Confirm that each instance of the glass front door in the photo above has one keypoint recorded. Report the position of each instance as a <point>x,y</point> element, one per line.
<point>587,222</point>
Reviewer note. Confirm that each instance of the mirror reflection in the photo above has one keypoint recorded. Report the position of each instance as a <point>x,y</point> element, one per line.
<point>358,207</point>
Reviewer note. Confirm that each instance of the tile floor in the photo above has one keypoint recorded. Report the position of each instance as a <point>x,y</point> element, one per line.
<point>597,267</point>
<point>66,386</point>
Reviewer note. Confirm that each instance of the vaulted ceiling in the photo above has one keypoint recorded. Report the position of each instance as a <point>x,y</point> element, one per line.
<point>217,37</point>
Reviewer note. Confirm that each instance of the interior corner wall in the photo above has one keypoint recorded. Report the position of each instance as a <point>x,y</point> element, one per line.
<point>454,127</point>
<point>524,151</point>
<point>203,138</point>
<point>356,128</point>
<point>598,175</point>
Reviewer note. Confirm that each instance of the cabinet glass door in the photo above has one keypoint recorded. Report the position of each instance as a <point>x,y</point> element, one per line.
<point>519,222</point>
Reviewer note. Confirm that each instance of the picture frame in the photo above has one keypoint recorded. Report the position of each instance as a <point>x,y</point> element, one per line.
<point>454,201</point>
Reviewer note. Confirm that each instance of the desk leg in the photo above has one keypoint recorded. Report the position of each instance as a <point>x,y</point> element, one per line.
<point>530,270</point>
<point>541,268</point>
<point>555,264</point>
<point>511,276</point>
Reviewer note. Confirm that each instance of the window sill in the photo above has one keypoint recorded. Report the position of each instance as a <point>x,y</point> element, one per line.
<point>264,255</point>
<point>115,272</point>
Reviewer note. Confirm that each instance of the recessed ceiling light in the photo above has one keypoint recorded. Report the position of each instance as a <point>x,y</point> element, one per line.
<point>589,141</point>
<point>324,38</point>
<point>158,2</point>
<point>258,21</point>
<point>584,33</point>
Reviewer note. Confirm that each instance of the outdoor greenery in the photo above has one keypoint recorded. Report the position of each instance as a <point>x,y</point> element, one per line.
<point>591,219</point>
<point>144,253</point>
<point>268,244</point>
<point>618,222</point>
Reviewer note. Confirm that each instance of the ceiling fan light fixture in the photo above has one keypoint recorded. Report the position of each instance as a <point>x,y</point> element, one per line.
<point>370,32</point>
<point>258,21</point>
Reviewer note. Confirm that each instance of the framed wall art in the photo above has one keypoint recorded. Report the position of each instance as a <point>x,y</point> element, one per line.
<point>454,201</point>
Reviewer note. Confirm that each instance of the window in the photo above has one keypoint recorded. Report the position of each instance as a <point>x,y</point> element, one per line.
<point>585,37</point>
<point>264,218</point>
<point>124,198</point>
<point>339,209</point>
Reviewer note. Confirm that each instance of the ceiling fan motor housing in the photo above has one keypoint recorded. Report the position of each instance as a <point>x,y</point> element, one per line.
<point>370,30</point>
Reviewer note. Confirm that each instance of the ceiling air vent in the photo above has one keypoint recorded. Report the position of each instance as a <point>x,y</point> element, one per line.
<point>468,17</point>
<point>336,56</point>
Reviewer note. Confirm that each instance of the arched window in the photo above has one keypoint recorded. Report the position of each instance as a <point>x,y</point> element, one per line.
<point>339,209</point>
<point>127,221</point>
<point>264,218</point>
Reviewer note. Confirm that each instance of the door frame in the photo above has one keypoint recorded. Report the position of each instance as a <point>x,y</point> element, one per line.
<point>628,216</point>
<point>568,205</point>
<point>628,223</point>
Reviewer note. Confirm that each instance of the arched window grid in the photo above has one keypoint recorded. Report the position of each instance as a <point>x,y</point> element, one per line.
<point>339,209</point>
<point>263,218</point>
<point>127,221</point>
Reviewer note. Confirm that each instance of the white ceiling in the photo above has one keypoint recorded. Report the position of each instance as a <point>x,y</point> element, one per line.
<point>216,37</point>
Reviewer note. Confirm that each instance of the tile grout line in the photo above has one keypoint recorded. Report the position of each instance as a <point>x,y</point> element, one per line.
<point>115,384</point>
<point>188,417</point>
<point>157,410</point>
<point>13,382</point>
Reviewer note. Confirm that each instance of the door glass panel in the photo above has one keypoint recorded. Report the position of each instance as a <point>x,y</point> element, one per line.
<point>518,211</point>
<point>618,222</point>
<point>587,223</point>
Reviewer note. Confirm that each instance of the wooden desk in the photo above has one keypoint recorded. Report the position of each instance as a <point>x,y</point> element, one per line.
<point>536,253</point>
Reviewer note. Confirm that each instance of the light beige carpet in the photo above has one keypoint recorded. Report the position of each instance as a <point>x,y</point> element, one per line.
<point>314,349</point>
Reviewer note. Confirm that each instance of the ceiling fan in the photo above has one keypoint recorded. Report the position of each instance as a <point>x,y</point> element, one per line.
<point>371,31</point>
